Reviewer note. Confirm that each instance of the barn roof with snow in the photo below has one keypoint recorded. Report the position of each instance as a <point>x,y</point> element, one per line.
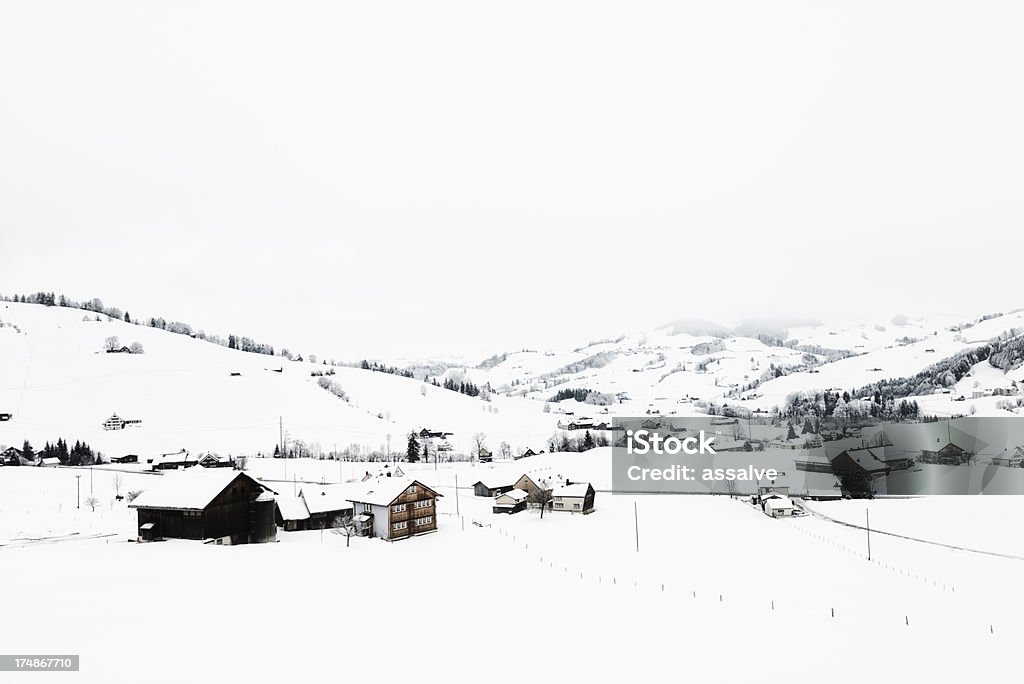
<point>189,490</point>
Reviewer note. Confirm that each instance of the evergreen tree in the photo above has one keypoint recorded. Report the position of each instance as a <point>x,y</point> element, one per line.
<point>412,450</point>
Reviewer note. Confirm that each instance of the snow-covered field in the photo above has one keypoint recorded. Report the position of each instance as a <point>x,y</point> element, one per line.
<point>715,589</point>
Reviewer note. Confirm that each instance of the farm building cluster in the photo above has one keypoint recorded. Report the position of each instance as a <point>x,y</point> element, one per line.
<point>513,493</point>
<point>231,507</point>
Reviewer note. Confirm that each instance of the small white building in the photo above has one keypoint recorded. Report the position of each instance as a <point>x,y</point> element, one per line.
<point>511,501</point>
<point>778,506</point>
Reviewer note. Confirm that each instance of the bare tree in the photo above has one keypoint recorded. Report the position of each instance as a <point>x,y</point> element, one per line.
<point>136,348</point>
<point>116,482</point>
<point>737,431</point>
<point>540,498</point>
<point>479,442</point>
<point>112,343</point>
<point>92,502</point>
<point>346,526</point>
<point>506,451</point>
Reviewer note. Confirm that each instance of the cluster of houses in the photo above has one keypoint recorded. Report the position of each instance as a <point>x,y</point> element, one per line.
<point>231,507</point>
<point>13,456</point>
<point>512,494</point>
<point>182,459</point>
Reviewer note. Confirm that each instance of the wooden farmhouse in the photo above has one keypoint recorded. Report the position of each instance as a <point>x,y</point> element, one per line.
<point>951,454</point>
<point>222,505</point>
<point>577,497</point>
<point>395,508</point>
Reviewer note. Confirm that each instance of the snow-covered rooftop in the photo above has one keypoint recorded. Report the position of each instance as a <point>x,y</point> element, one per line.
<point>382,491</point>
<point>292,508</point>
<point>191,489</point>
<point>326,498</point>
<point>574,489</point>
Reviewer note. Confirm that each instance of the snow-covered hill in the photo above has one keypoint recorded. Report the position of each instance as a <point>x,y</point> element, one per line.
<point>58,382</point>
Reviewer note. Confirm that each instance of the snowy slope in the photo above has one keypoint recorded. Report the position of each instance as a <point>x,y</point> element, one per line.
<point>58,382</point>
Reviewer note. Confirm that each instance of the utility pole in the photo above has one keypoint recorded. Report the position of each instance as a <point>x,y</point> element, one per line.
<point>456,494</point>
<point>78,491</point>
<point>90,480</point>
<point>636,523</point>
<point>867,519</point>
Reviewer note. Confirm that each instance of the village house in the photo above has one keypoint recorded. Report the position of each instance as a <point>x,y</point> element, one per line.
<point>175,461</point>
<point>395,508</point>
<point>575,497</point>
<point>950,454</point>
<point>222,505</point>
<point>11,456</point>
<point>127,458</point>
<point>510,502</point>
<point>1008,459</point>
<point>859,461</point>
<point>531,482</point>
<point>485,455</point>
<point>215,461</point>
<point>6,416</point>
<point>116,422</point>
<point>51,462</point>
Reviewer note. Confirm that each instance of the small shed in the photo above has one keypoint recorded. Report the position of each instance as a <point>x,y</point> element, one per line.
<point>778,506</point>
<point>292,513</point>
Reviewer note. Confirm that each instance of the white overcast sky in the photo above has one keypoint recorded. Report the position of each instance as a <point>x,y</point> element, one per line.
<point>382,178</point>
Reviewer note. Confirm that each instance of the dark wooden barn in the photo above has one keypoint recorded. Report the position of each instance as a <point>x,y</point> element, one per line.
<point>223,505</point>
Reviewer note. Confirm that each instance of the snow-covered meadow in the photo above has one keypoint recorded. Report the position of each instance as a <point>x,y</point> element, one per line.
<point>716,587</point>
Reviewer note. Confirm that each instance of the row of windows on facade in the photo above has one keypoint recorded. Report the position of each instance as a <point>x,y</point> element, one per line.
<point>418,522</point>
<point>561,505</point>
<point>400,508</point>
